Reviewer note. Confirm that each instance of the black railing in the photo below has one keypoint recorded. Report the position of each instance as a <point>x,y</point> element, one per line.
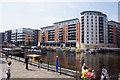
<point>76,72</point>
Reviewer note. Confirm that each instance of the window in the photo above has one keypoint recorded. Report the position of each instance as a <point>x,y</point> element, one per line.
<point>87,16</point>
<point>87,35</point>
<point>91,16</point>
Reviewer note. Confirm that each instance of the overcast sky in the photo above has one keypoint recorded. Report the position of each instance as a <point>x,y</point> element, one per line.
<point>41,14</point>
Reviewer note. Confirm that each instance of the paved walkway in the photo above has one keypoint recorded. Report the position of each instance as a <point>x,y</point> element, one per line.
<point>18,71</point>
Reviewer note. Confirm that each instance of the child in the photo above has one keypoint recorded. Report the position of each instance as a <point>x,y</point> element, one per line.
<point>89,73</point>
<point>93,75</point>
<point>8,71</point>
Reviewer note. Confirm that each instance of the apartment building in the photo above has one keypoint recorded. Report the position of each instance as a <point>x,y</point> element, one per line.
<point>61,33</point>
<point>113,34</point>
<point>25,36</point>
<point>94,32</point>
<point>7,36</point>
<point>68,32</point>
<point>47,36</point>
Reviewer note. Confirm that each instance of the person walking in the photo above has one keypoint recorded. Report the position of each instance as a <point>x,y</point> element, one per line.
<point>89,73</point>
<point>84,74</point>
<point>84,65</point>
<point>93,75</point>
<point>8,72</point>
<point>26,61</point>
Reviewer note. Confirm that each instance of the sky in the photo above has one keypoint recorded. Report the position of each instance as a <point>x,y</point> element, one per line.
<point>41,14</point>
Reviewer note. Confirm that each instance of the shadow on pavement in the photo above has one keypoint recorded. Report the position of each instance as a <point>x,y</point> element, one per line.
<point>31,70</point>
<point>2,62</point>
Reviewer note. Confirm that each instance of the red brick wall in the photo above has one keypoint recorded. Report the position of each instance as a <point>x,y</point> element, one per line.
<point>46,35</point>
<point>78,32</point>
<point>56,35</point>
<point>39,36</point>
<point>114,35</point>
<point>65,33</point>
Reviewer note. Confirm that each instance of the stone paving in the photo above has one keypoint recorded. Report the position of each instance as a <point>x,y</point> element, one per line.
<point>18,71</point>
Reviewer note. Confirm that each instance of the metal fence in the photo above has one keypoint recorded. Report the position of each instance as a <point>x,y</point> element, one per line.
<point>76,73</point>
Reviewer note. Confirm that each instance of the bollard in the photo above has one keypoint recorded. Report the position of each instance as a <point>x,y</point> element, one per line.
<point>76,73</point>
<point>56,63</point>
<point>41,62</point>
<point>48,65</point>
<point>38,64</point>
<point>60,69</point>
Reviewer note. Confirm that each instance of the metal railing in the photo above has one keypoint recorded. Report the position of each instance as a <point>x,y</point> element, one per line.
<point>72,73</point>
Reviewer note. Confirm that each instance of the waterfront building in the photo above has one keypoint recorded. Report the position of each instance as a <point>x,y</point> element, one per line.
<point>65,32</point>
<point>25,36</point>
<point>113,34</point>
<point>7,36</point>
<point>93,29</point>
<point>47,35</point>
<point>68,32</point>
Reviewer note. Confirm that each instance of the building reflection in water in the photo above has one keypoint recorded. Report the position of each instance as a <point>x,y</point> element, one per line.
<point>110,61</point>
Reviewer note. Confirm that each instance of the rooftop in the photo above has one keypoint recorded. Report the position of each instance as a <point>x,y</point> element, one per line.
<point>66,20</point>
<point>47,27</point>
<point>93,12</point>
<point>114,22</point>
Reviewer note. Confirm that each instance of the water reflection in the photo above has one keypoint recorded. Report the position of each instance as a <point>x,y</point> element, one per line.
<point>110,61</point>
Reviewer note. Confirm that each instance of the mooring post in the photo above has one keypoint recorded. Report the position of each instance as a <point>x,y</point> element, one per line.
<point>56,63</point>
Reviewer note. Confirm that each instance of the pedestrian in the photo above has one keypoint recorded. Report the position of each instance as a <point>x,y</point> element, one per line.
<point>26,61</point>
<point>8,72</point>
<point>89,73</point>
<point>93,75</point>
<point>82,70</point>
<point>84,74</point>
<point>83,67</point>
